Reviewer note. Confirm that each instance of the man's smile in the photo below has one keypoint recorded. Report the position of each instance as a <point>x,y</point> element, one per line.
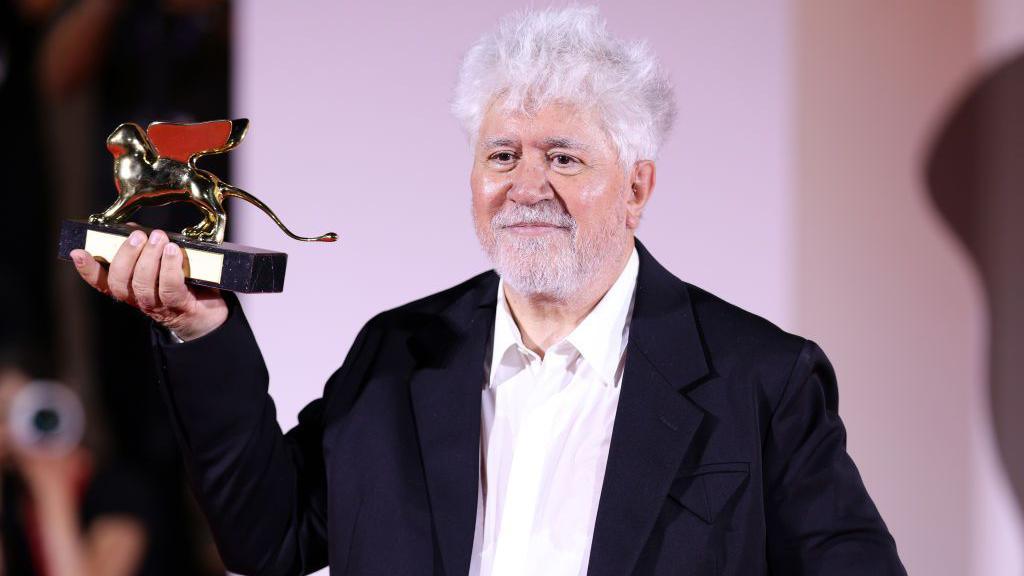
<point>533,228</point>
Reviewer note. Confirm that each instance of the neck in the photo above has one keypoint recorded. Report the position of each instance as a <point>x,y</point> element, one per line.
<point>543,320</point>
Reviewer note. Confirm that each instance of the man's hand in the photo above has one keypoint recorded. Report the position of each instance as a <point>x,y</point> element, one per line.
<point>147,274</point>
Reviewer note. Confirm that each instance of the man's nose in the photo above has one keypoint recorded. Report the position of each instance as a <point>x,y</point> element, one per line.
<point>530,183</point>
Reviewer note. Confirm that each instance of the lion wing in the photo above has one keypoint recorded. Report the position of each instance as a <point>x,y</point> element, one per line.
<point>182,142</point>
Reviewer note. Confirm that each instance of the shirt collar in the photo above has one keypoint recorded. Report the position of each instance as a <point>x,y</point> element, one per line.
<point>600,338</point>
<point>507,339</point>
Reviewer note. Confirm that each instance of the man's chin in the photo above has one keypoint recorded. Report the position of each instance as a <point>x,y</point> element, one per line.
<point>539,286</point>
<point>538,272</point>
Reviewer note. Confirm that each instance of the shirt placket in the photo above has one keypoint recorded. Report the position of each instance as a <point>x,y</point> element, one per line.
<point>530,452</point>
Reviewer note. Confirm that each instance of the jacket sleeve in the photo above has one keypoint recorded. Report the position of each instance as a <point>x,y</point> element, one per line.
<point>263,492</point>
<point>820,517</point>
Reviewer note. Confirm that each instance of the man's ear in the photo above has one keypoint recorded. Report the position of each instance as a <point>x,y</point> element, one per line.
<point>641,186</point>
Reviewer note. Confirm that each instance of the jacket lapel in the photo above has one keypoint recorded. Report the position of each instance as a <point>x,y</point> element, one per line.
<point>655,423</point>
<point>446,388</point>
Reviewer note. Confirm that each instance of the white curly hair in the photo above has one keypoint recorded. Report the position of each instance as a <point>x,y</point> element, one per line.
<point>567,56</point>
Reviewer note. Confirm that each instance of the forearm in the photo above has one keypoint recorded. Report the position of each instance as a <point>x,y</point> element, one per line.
<point>62,544</point>
<point>243,470</point>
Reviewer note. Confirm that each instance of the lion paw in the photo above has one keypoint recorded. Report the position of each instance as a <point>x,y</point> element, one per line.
<point>199,233</point>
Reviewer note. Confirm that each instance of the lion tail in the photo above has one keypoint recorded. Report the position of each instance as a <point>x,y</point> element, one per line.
<point>236,192</point>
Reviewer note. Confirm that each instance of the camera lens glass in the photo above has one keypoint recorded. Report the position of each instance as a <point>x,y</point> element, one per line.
<point>46,420</point>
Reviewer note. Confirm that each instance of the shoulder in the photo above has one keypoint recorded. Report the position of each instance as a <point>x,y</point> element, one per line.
<point>383,344</point>
<point>749,347</point>
<point>737,344</point>
<point>729,334</point>
<point>449,302</point>
<point>728,328</point>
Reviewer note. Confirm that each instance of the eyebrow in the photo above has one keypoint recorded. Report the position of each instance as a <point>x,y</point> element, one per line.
<point>564,142</point>
<point>547,143</point>
<point>500,142</point>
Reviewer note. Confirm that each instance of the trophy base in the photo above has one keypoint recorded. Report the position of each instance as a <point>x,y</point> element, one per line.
<point>226,266</point>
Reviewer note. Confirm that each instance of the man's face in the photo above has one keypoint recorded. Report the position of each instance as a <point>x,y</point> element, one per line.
<point>549,199</point>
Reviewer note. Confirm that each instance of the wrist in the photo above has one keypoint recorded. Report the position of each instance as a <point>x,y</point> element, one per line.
<point>204,320</point>
<point>188,331</point>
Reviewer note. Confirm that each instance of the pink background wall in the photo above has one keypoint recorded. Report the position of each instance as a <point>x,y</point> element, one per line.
<point>797,160</point>
<point>882,283</point>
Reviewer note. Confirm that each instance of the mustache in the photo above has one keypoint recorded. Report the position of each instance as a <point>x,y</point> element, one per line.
<point>546,212</point>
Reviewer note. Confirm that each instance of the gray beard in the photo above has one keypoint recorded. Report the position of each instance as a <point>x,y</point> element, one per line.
<point>557,265</point>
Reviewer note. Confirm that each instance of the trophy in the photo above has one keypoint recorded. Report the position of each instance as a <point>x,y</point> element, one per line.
<point>157,167</point>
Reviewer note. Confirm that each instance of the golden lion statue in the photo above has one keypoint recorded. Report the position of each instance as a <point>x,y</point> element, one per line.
<point>158,166</point>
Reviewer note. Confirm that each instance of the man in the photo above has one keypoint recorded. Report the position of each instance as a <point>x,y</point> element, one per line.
<point>582,411</point>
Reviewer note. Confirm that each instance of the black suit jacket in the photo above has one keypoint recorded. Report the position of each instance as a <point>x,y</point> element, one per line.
<point>727,454</point>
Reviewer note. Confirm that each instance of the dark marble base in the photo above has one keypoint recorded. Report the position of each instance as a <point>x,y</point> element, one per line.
<point>243,268</point>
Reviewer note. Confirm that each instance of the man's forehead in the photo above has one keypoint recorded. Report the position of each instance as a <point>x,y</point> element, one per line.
<point>552,126</point>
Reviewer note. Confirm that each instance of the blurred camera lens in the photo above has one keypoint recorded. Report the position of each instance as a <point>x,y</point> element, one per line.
<point>46,415</point>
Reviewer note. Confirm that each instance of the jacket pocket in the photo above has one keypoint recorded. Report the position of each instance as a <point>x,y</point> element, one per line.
<point>706,489</point>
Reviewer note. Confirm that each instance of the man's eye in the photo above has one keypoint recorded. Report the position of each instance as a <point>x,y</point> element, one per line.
<point>503,157</point>
<point>564,160</point>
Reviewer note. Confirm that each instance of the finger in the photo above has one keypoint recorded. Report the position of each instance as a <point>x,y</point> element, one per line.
<point>172,290</point>
<point>123,266</point>
<point>147,269</point>
<point>90,270</point>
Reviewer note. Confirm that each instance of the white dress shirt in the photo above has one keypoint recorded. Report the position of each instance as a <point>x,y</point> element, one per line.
<point>546,427</point>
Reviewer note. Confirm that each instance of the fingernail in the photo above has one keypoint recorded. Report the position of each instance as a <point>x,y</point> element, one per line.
<point>154,237</point>
<point>78,259</point>
<point>136,238</point>
<point>171,250</point>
